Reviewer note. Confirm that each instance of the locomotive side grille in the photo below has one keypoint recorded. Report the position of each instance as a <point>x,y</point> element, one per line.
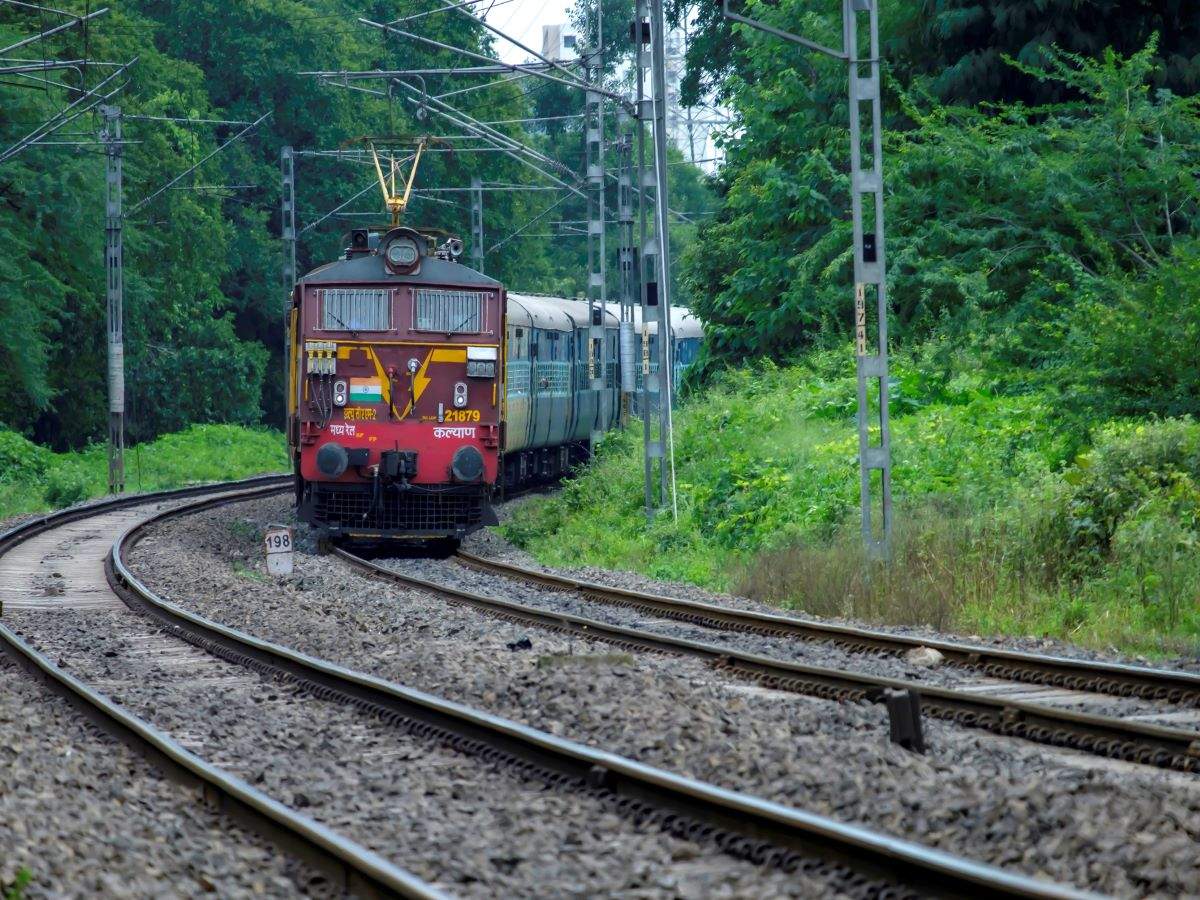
<point>450,312</point>
<point>410,513</point>
<point>356,310</point>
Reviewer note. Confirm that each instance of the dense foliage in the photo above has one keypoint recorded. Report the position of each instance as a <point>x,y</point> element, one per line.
<point>1015,229</point>
<point>203,290</point>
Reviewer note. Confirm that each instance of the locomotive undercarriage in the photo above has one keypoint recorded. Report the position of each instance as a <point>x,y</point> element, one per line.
<point>391,513</point>
<point>542,465</point>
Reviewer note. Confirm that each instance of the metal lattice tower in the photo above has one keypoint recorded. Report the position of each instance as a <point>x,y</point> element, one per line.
<point>114,271</point>
<point>870,281</point>
<point>625,264</point>
<point>477,224</point>
<point>870,276</point>
<point>287,210</point>
<point>654,264</point>
<point>593,131</point>
<point>626,249</point>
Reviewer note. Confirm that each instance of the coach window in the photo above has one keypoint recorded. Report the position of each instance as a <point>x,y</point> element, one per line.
<point>518,343</point>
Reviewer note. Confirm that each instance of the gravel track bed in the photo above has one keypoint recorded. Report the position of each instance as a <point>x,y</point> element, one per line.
<point>816,653</point>
<point>1122,829</point>
<point>88,818</point>
<point>492,544</point>
<point>472,830</point>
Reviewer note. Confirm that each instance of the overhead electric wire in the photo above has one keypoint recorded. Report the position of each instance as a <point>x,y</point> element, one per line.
<point>508,145</point>
<point>430,12</point>
<point>60,12</point>
<point>545,212</point>
<point>196,165</point>
<point>140,118</point>
<point>374,184</point>
<point>470,54</point>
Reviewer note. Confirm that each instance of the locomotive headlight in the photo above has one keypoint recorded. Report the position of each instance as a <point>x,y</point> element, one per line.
<point>460,394</point>
<point>402,252</point>
<point>339,392</point>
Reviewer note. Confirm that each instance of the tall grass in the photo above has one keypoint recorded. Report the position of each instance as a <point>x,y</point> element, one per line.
<point>973,572</point>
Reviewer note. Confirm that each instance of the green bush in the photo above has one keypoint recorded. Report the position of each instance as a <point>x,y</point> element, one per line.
<point>1130,465</point>
<point>16,890</point>
<point>20,458</point>
<point>1163,553</point>
<point>36,479</point>
<point>65,488</point>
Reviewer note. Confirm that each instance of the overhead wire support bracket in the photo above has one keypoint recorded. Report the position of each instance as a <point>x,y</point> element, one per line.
<point>512,67</point>
<point>61,118</point>
<point>78,20</point>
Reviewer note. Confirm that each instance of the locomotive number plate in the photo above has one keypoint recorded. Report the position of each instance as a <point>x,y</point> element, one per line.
<point>462,415</point>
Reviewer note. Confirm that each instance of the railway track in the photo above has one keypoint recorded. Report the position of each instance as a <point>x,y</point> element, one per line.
<point>52,568</point>
<point>849,859</point>
<point>1107,736</point>
<point>1055,671</point>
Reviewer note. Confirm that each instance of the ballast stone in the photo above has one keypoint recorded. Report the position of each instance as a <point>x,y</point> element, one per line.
<point>924,656</point>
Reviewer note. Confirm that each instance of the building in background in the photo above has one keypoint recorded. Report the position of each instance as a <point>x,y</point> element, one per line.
<point>690,128</point>
<point>559,42</point>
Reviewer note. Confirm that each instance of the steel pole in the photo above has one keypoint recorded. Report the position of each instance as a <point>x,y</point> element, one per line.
<point>597,295</point>
<point>870,278</point>
<point>477,223</point>
<point>288,233</point>
<point>114,271</point>
<point>645,181</point>
<point>662,223</point>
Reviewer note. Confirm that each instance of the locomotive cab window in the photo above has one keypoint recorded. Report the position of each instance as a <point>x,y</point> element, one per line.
<point>356,310</point>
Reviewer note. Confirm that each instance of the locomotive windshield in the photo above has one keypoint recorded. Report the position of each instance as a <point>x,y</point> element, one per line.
<point>356,310</point>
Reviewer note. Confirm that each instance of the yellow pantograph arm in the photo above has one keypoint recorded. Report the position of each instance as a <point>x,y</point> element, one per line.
<point>379,171</point>
<point>412,173</point>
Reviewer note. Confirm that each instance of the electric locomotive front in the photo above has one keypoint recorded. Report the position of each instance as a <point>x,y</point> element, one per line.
<point>395,394</point>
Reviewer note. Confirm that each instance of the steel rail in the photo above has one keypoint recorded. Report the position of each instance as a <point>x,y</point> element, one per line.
<point>346,862</point>
<point>1154,745</point>
<point>741,825</point>
<point>1076,674</point>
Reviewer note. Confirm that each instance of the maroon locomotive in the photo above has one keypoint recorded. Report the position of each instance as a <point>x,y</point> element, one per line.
<point>396,398</point>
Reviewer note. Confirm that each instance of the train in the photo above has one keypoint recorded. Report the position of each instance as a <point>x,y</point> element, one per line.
<point>420,391</point>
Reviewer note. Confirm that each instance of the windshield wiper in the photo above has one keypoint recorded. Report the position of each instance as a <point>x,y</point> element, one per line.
<point>338,319</point>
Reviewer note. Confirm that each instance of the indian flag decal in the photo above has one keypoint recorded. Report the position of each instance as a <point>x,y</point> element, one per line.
<point>365,390</point>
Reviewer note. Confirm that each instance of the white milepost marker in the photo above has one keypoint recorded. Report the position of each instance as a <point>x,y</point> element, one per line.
<point>279,550</point>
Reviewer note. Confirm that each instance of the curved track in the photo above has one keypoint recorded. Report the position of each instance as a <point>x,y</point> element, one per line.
<point>1106,736</point>
<point>853,860</point>
<point>53,568</point>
